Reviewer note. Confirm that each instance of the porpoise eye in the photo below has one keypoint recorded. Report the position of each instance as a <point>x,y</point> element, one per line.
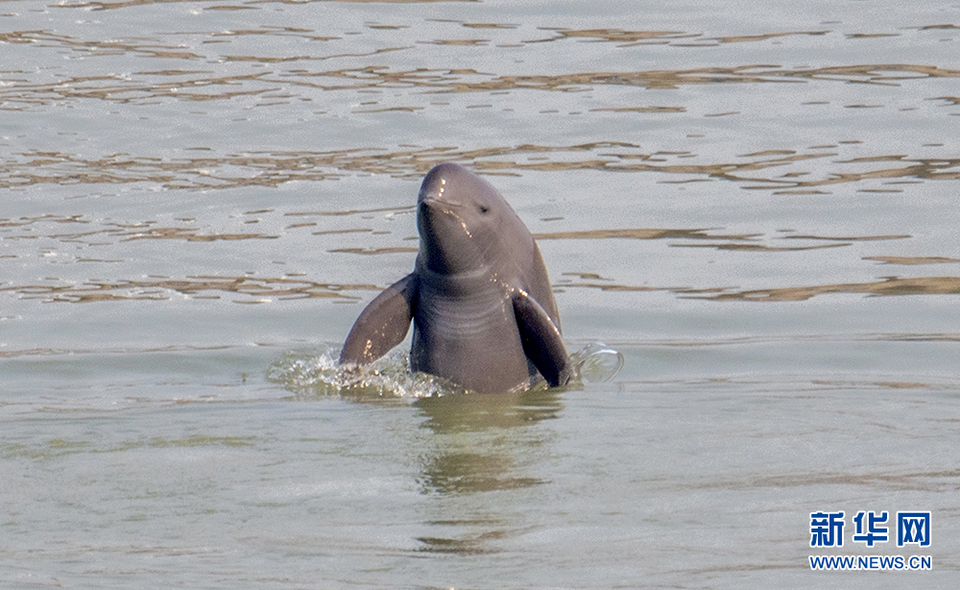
<point>484,209</point>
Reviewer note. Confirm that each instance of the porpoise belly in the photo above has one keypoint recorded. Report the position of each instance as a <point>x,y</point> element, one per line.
<point>471,340</point>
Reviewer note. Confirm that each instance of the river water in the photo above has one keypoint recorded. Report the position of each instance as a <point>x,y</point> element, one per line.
<point>751,202</point>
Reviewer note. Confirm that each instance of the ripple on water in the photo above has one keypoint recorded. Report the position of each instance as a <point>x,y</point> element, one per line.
<point>271,169</point>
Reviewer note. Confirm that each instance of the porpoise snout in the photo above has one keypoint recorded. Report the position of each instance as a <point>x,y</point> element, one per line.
<point>435,192</point>
<point>439,182</point>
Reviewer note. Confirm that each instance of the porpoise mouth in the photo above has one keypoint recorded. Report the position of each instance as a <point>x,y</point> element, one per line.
<point>434,214</point>
<point>435,200</point>
<point>434,205</point>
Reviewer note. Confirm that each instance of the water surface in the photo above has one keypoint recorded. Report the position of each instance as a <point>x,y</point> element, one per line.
<point>753,204</point>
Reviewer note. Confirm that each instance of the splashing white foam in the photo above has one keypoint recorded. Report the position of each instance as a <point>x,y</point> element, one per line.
<point>317,373</point>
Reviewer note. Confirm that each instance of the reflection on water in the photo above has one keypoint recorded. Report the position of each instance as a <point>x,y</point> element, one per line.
<point>198,287</point>
<point>470,544</point>
<point>259,289</point>
<point>197,84</point>
<point>209,4</point>
<point>263,102</point>
<point>273,169</point>
<point>475,447</point>
<point>889,286</point>
<point>912,259</point>
<point>481,444</point>
<point>477,444</point>
<point>57,447</point>
<point>477,413</point>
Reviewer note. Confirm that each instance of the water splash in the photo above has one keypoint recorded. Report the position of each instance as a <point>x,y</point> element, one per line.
<point>318,373</point>
<point>596,363</point>
<point>310,373</point>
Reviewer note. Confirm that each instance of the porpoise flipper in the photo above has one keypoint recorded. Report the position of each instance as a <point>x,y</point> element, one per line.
<point>382,324</point>
<point>541,340</point>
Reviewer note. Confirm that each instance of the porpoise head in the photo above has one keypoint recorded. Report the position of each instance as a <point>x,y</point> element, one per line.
<point>465,225</point>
